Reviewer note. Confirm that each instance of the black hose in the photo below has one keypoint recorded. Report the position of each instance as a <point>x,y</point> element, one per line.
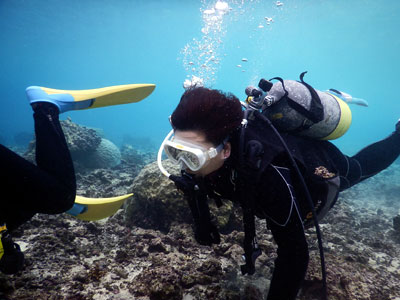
<point>308,196</point>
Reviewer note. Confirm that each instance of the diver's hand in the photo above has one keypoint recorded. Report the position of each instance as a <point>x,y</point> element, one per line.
<point>251,253</point>
<point>205,230</point>
<point>207,234</point>
<point>250,268</point>
<point>184,183</point>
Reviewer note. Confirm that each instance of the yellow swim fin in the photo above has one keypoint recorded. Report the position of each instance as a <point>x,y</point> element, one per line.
<point>93,209</point>
<point>84,99</point>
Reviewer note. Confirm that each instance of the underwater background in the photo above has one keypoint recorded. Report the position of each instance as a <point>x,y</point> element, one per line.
<point>352,46</point>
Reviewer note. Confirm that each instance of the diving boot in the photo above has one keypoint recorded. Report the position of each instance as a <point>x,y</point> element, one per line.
<point>64,102</point>
<point>11,257</point>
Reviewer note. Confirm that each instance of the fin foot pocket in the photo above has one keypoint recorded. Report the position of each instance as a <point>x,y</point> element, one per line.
<point>64,102</point>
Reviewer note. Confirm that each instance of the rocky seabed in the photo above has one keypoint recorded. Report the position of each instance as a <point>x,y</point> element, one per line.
<point>71,259</point>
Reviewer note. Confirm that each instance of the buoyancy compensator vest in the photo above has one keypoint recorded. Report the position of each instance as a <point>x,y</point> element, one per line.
<point>298,108</point>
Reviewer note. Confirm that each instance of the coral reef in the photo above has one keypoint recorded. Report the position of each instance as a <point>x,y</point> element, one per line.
<point>156,203</point>
<point>81,141</point>
<point>106,155</point>
<point>131,155</point>
<point>88,149</point>
<point>113,181</point>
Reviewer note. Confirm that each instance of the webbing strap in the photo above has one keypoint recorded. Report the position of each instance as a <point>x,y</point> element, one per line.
<point>283,85</point>
<point>316,112</point>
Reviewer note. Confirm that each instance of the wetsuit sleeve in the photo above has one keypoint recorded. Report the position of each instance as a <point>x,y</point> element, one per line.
<point>249,235</point>
<point>292,261</point>
<point>205,231</point>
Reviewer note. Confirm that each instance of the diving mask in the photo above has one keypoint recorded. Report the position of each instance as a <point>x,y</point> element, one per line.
<point>190,155</point>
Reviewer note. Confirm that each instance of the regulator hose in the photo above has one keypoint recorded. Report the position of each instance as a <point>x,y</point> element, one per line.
<point>309,199</point>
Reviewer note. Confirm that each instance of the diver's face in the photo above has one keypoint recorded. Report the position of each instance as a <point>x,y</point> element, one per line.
<point>199,138</point>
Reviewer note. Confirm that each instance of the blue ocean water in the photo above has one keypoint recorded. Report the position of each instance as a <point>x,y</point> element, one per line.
<point>349,45</point>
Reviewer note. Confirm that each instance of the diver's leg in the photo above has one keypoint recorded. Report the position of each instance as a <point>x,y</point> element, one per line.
<point>26,189</point>
<point>46,188</point>
<point>53,157</point>
<point>366,163</point>
<point>13,197</point>
<point>347,169</point>
<point>292,261</point>
<point>378,156</point>
<point>370,160</point>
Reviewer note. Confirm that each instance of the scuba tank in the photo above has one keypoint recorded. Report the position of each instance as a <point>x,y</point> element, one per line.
<point>296,107</point>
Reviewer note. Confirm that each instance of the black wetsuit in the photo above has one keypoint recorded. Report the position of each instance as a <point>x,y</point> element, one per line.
<point>272,191</point>
<point>50,186</point>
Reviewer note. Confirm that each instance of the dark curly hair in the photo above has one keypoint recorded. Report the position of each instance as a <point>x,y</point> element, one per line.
<point>212,112</point>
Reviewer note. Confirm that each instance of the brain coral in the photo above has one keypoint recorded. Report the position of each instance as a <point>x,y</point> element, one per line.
<point>106,155</point>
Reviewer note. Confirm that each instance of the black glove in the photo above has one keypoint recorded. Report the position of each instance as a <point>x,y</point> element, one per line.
<point>186,183</point>
<point>251,253</point>
<point>249,267</point>
<point>12,260</point>
<point>205,231</point>
<point>207,234</point>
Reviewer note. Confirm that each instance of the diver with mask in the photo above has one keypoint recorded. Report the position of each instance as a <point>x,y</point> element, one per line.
<point>229,153</point>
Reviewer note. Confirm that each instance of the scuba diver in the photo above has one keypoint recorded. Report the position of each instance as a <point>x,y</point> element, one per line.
<point>49,187</point>
<point>290,178</point>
